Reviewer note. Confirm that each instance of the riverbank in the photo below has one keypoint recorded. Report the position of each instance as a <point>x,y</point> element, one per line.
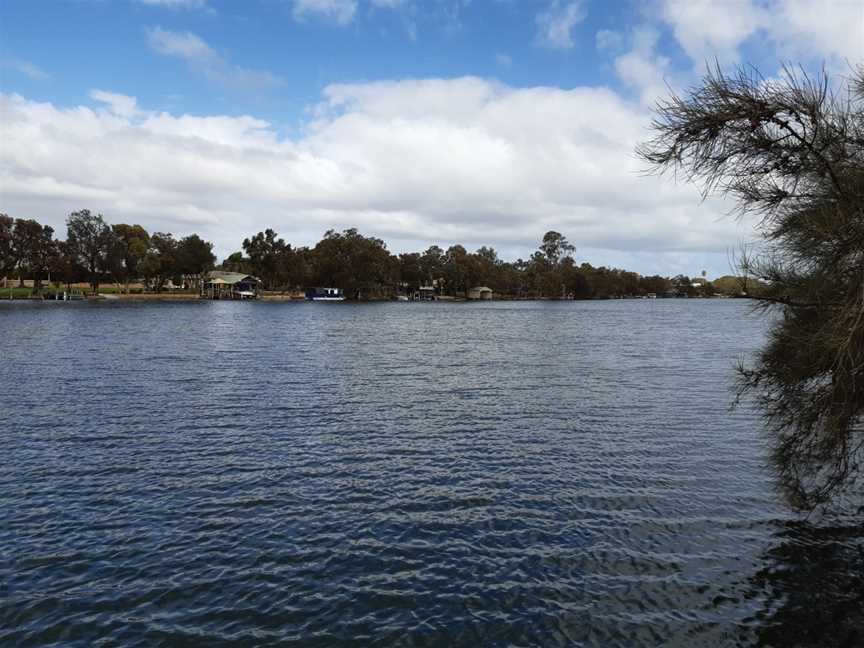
<point>23,294</point>
<point>136,293</point>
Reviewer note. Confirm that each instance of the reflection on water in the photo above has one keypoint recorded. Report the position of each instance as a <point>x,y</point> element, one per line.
<point>812,587</point>
<point>398,474</point>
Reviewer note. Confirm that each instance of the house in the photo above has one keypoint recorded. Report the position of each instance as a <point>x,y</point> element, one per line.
<point>480,292</point>
<point>230,285</point>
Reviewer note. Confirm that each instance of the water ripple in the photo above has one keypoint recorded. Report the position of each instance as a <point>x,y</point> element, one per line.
<point>396,475</point>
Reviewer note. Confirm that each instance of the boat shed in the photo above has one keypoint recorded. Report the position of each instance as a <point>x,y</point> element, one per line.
<point>230,285</point>
<point>480,292</point>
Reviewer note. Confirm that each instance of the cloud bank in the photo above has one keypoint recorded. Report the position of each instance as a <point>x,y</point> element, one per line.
<point>415,162</point>
<point>422,161</point>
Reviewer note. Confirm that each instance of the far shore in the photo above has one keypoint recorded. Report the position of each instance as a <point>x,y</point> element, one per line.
<point>276,297</point>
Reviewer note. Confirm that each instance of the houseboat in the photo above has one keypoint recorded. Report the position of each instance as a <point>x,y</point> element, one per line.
<point>325,294</point>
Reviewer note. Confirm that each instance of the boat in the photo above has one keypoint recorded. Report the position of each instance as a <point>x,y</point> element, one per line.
<point>325,294</point>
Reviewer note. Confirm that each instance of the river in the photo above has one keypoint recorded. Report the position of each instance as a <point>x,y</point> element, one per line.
<point>400,474</point>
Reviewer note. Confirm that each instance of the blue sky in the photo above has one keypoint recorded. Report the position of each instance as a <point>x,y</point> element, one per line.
<point>422,122</point>
<point>83,45</point>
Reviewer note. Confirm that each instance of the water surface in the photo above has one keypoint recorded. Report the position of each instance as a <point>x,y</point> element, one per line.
<point>530,473</point>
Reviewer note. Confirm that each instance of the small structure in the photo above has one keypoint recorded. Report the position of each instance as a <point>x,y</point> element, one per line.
<point>480,292</point>
<point>325,294</point>
<point>425,293</point>
<point>230,285</point>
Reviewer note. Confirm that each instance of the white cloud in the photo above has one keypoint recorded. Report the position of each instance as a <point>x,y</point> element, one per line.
<point>707,29</point>
<point>415,162</point>
<point>185,45</point>
<point>26,68</point>
<point>555,24</point>
<point>642,68</point>
<point>204,59</point>
<point>176,4</point>
<point>119,104</point>
<point>608,39</point>
<point>503,59</point>
<point>831,30</point>
<point>340,11</point>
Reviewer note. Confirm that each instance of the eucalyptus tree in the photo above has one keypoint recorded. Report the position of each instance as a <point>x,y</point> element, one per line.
<point>360,265</point>
<point>159,264</point>
<point>265,251</point>
<point>194,258</point>
<point>36,248</point>
<point>489,268</point>
<point>8,258</point>
<point>236,262</point>
<point>555,246</point>
<point>410,271</point>
<point>131,245</point>
<point>459,270</point>
<point>432,264</point>
<point>791,151</point>
<point>91,240</point>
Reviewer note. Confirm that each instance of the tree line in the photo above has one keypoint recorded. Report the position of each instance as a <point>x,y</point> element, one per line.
<point>97,252</point>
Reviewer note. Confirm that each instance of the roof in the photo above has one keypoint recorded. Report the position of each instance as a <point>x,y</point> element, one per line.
<point>481,288</point>
<point>217,276</point>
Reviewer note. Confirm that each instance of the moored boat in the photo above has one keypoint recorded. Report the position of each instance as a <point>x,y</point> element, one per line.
<point>325,294</point>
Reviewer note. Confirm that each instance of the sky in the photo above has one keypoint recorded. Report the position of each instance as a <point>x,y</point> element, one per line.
<point>419,122</point>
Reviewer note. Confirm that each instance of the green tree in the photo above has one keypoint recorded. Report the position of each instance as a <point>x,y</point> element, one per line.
<point>432,265</point>
<point>683,285</point>
<point>236,262</point>
<point>654,284</point>
<point>160,263</point>
<point>91,240</point>
<point>546,275</point>
<point>488,268</point>
<point>65,266</point>
<point>150,268</point>
<point>459,270</point>
<point>555,246</point>
<point>791,150</point>
<point>193,259</point>
<point>741,286</point>
<point>410,271</point>
<point>8,256</point>
<point>360,265</point>
<point>36,248</point>
<point>266,251</point>
<point>131,245</point>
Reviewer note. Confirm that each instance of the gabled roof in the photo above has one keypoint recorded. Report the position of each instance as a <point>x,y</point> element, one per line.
<point>230,277</point>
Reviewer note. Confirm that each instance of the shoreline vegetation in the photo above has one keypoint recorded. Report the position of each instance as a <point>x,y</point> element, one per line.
<point>120,261</point>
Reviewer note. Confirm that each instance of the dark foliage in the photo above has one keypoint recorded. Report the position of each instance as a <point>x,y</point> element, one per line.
<point>791,150</point>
